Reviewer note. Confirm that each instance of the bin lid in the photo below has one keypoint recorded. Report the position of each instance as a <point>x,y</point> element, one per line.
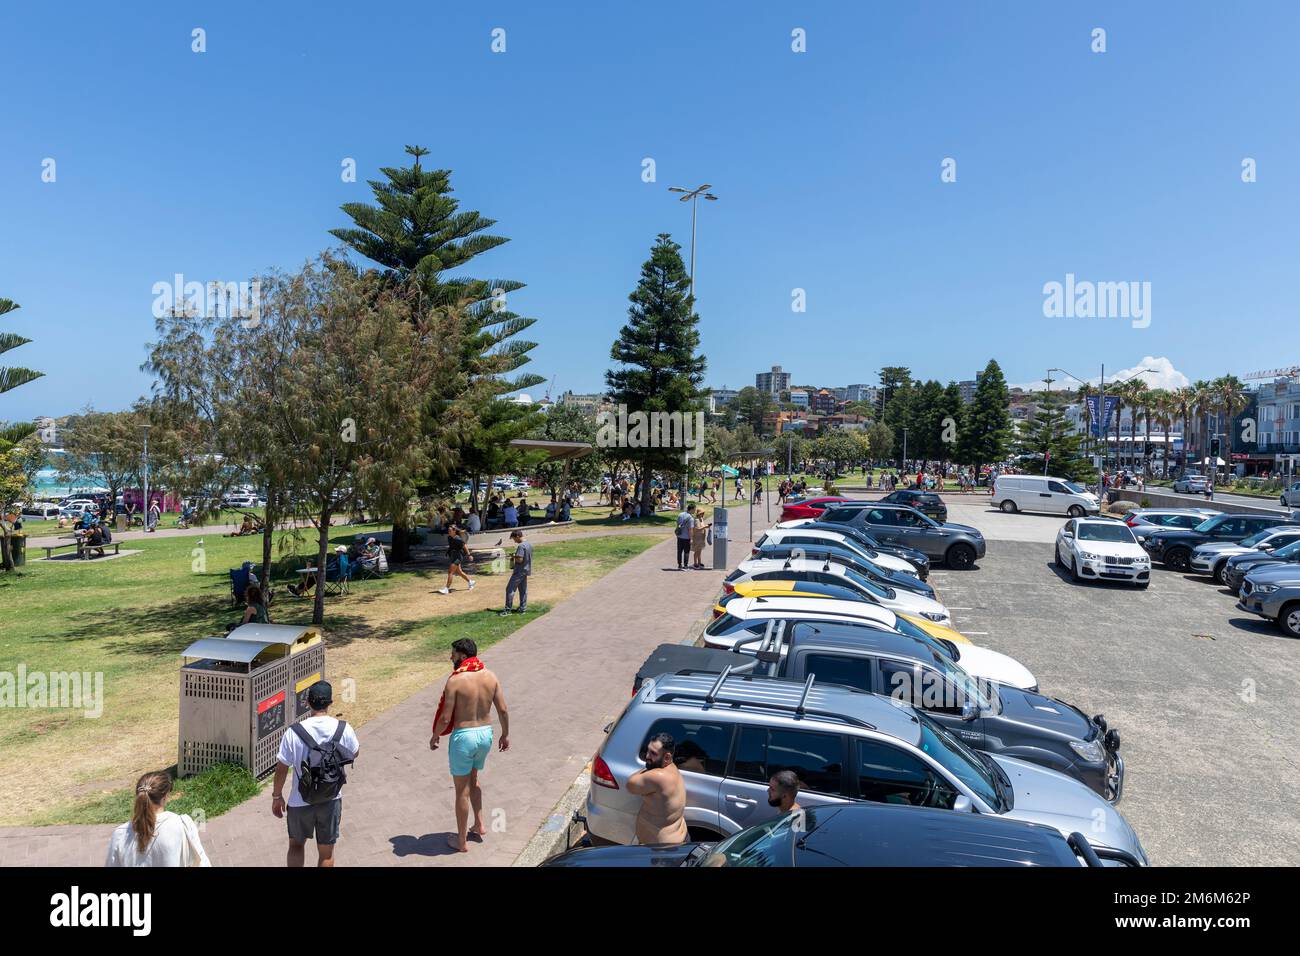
<point>271,633</point>
<point>226,649</point>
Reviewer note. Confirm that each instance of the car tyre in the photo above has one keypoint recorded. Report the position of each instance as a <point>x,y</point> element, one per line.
<point>1056,556</point>
<point>1176,560</point>
<point>960,557</point>
<point>1076,511</point>
<point>1008,507</point>
<point>1218,573</point>
<point>1074,571</point>
<point>1288,619</point>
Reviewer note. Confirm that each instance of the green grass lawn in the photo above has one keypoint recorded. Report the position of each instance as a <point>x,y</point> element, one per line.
<point>129,618</point>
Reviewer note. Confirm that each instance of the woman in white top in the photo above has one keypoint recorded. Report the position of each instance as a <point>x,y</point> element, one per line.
<point>155,836</point>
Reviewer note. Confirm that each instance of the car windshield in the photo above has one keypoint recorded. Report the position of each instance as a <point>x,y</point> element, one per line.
<point>867,585</point>
<point>1255,539</point>
<point>968,689</point>
<point>1106,532</point>
<point>1077,488</point>
<point>1209,524</point>
<point>1290,551</point>
<point>768,844</point>
<point>903,626</point>
<point>960,761</point>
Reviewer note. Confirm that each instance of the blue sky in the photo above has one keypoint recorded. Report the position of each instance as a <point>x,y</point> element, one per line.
<point>1121,166</point>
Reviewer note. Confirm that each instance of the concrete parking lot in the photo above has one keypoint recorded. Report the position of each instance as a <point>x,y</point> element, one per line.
<point>1204,696</point>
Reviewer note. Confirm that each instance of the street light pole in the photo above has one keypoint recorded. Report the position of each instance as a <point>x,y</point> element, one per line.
<point>146,476</point>
<point>693,195</point>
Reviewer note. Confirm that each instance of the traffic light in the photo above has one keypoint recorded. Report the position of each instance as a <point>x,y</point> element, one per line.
<point>1214,447</point>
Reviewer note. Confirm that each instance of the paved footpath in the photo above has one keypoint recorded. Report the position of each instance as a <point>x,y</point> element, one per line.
<point>565,674</point>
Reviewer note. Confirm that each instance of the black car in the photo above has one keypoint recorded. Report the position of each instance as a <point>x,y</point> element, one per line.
<point>865,834</point>
<point>1242,564</point>
<point>870,543</point>
<point>1174,548</point>
<point>830,551</point>
<point>926,502</point>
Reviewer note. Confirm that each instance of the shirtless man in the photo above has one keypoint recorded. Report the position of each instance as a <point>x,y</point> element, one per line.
<point>662,793</point>
<point>471,693</point>
<point>782,790</point>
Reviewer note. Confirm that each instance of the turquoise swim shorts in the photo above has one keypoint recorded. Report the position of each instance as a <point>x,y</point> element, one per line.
<point>468,749</point>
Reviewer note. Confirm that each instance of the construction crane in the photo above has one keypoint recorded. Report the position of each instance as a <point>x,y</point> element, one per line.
<point>1289,371</point>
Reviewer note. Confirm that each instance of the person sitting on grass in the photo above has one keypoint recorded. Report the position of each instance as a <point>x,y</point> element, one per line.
<point>254,608</point>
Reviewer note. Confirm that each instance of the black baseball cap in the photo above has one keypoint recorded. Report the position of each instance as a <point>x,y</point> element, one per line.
<point>320,694</point>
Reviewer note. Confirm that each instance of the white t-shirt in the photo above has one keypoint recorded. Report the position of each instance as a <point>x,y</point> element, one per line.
<point>293,751</point>
<point>175,842</point>
<point>473,524</point>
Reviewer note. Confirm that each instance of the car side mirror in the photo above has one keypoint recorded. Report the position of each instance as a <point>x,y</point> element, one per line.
<point>969,709</point>
<point>1067,533</point>
<point>963,804</point>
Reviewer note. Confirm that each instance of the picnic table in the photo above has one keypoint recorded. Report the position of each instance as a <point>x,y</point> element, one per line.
<point>83,549</point>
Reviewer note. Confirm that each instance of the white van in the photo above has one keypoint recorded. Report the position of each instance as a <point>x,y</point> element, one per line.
<point>41,510</point>
<point>1043,493</point>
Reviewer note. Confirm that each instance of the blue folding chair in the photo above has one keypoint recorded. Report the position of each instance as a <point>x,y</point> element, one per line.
<point>337,576</point>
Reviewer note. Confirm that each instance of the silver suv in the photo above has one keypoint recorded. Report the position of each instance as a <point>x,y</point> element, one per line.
<point>731,733</point>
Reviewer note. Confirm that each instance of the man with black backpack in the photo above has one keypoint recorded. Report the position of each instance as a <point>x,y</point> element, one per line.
<point>316,749</point>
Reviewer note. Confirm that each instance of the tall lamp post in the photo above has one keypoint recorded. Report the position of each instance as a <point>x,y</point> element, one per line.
<point>693,196</point>
<point>145,459</point>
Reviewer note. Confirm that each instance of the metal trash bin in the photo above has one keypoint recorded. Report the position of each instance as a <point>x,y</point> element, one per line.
<point>18,548</point>
<point>239,693</point>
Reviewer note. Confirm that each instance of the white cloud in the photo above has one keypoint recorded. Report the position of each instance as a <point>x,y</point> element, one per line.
<point>1162,374</point>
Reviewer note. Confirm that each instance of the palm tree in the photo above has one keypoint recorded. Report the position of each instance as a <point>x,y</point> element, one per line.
<point>1129,393</point>
<point>1231,398</point>
<point>1204,401</point>
<point>1183,403</point>
<point>1166,412</point>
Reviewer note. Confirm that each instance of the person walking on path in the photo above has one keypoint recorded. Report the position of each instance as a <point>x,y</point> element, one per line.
<point>465,712</point>
<point>521,565</point>
<point>685,524</point>
<point>457,553</point>
<point>699,538</point>
<point>319,745</point>
<point>155,836</point>
<point>662,792</point>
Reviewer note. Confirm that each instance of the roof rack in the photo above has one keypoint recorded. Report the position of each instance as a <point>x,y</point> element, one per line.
<point>800,709</point>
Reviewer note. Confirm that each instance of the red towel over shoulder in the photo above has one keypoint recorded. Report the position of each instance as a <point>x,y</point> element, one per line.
<point>468,665</point>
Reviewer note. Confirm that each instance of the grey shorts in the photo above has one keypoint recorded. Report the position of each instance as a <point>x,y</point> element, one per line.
<point>319,820</point>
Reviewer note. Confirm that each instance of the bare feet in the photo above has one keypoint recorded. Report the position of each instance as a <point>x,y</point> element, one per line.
<point>478,830</point>
<point>456,843</point>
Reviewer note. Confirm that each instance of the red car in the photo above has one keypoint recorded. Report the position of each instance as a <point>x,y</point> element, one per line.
<point>809,507</point>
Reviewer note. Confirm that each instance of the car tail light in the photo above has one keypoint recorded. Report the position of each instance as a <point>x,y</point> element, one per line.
<point>600,774</point>
<point>728,587</point>
<point>717,613</point>
<point>753,552</point>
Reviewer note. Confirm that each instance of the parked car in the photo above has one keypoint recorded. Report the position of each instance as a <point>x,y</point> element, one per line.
<point>1273,593</point>
<point>844,745</point>
<point>926,502</point>
<point>1238,567</point>
<point>40,511</point>
<point>1191,484</point>
<point>831,572</point>
<point>865,538</point>
<point>1212,558</point>
<point>1290,498</point>
<point>796,508</point>
<point>1102,549</point>
<point>814,537</point>
<point>749,617</point>
<point>863,835</point>
<point>829,551</point>
<point>1147,521</point>
<point>982,713</point>
<point>957,545</point>
<point>1043,493</point>
<point>1173,547</point>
